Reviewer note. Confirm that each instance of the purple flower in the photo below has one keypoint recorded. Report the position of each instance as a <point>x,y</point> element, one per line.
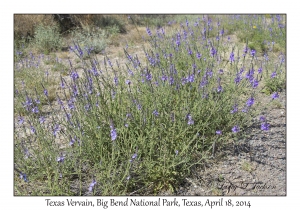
<point>190,120</point>
<point>32,129</point>
<point>60,159</point>
<point>191,78</point>
<point>235,109</point>
<point>139,107</point>
<point>155,113</point>
<point>198,55</point>
<point>148,76</point>
<point>71,104</point>
<point>87,107</point>
<point>231,58</point>
<point>148,31</point>
<point>219,132</point>
<point>113,133</point>
<point>35,110</point>
<point>221,71</point>
<point>46,92</point>
<point>254,83</point>
<point>56,129</point>
<point>72,141</point>
<point>275,95</point>
<point>253,52</point>
<point>134,156</point>
<point>92,185</point>
<point>42,119</point>
<point>128,82</point>
<point>260,70</point>
<point>273,74</point>
<point>219,89</point>
<point>238,79</point>
<point>265,126</point>
<point>20,120</point>
<point>23,176</point>
<point>250,102</point>
<point>171,80</point>
<point>213,52</point>
<point>235,129</point>
<point>74,75</point>
<point>262,118</point>
<point>245,49</point>
<point>164,78</point>
<point>176,152</point>
<point>116,80</point>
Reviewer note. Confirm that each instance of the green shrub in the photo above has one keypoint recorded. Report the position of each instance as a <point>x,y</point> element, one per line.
<point>47,38</point>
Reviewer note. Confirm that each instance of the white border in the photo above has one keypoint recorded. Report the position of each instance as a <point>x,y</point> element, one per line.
<point>8,8</point>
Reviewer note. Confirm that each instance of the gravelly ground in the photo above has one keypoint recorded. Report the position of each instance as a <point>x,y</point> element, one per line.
<point>255,165</point>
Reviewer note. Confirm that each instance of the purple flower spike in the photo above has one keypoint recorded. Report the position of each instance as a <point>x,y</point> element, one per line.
<point>219,132</point>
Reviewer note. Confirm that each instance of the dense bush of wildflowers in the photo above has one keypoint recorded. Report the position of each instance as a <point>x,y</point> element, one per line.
<point>120,128</point>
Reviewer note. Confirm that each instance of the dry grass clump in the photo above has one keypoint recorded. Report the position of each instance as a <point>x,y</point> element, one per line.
<point>24,25</point>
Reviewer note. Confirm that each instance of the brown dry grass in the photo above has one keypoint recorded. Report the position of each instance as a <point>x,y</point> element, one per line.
<point>24,24</point>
